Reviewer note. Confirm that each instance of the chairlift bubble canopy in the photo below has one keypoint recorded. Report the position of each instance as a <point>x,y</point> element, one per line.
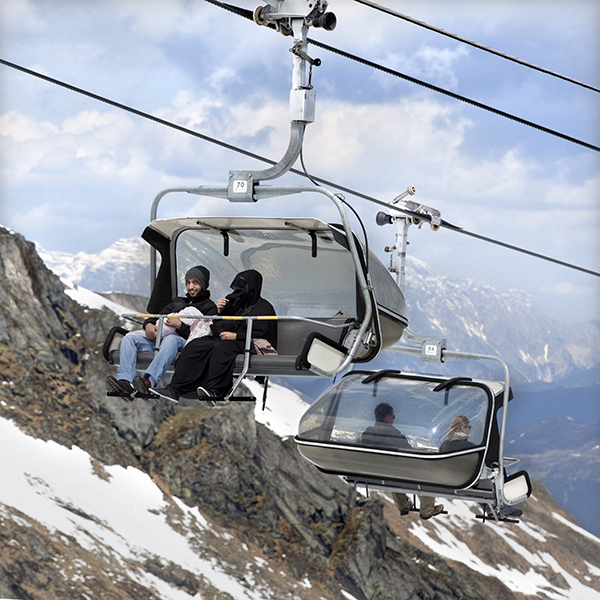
<point>339,434</point>
<point>306,266</point>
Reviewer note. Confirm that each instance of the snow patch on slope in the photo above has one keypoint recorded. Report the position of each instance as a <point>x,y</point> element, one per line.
<point>122,516</point>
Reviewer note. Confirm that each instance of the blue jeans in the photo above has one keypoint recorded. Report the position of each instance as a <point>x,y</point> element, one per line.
<point>133,343</point>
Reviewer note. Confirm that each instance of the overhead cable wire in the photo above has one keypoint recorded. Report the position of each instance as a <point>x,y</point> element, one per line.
<point>424,217</point>
<point>440,90</point>
<point>134,111</point>
<point>242,12</point>
<point>346,203</point>
<point>459,38</point>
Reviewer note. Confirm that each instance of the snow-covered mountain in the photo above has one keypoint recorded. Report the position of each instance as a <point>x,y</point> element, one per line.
<point>473,316</point>
<point>122,267</point>
<point>565,475</point>
<point>100,522</point>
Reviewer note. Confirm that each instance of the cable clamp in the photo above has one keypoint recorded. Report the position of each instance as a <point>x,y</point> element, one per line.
<point>297,50</point>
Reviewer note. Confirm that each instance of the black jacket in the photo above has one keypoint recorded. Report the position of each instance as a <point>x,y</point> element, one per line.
<point>202,302</point>
<point>455,445</point>
<point>246,301</point>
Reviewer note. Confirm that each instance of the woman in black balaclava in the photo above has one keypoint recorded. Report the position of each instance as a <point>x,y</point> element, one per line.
<point>207,362</point>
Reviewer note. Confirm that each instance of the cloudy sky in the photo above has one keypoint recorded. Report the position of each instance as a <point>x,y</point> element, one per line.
<point>77,174</point>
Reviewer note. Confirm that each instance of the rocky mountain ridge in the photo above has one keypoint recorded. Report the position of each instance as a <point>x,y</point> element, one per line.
<point>475,317</point>
<point>230,509</point>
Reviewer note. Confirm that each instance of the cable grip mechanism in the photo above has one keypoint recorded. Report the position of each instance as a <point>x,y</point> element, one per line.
<point>279,13</point>
<point>297,50</point>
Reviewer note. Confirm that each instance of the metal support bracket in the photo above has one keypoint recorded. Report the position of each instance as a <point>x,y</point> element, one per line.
<point>297,50</point>
<point>432,349</point>
<point>241,186</point>
<point>293,17</point>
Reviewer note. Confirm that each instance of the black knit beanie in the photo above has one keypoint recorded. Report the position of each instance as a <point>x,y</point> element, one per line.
<point>200,273</point>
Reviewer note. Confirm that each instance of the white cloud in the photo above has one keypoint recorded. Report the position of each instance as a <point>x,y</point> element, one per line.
<point>20,15</point>
<point>42,217</point>
<point>99,167</point>
<point>433,65</point>
<point>159,19</point>
<point>21,128</point>
<point>565,289</point>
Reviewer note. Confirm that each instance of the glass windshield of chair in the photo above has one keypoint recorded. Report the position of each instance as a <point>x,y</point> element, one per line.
<point>399,413</point>
<point>294,281</point>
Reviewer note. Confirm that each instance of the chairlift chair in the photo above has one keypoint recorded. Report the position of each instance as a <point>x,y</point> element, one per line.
<point>325,320</point>
<point>330,436</point>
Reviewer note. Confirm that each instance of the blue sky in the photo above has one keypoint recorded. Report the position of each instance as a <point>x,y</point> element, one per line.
<point>76,175</point>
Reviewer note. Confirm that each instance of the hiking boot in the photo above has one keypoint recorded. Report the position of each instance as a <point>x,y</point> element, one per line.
<point>120,387</point>
<point>167,393</point>
<point>510,511</point>
<point>142,386</point>
<point>437,509</point>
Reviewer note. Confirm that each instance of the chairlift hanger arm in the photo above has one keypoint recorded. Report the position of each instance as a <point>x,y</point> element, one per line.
<point>291,17</point>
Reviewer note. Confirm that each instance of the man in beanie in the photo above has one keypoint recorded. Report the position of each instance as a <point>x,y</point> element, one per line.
<point>127,383</point>
<point>383,433</point>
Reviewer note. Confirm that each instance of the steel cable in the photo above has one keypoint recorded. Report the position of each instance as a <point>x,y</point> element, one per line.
<point>459,38</point>
<point>247,14</point>
<point>443,224</point>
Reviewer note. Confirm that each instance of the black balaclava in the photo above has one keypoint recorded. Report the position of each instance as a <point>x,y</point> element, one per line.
<point>246,287</point>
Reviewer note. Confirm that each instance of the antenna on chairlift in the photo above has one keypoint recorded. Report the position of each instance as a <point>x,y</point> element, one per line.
<point>403,222</point>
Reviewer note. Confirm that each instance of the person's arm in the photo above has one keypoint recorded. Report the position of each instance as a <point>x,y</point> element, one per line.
<point>207,308</point>
<point>164,311</point>
<point>150,330</point>
<point>260,329</point>
<point>183,329</point>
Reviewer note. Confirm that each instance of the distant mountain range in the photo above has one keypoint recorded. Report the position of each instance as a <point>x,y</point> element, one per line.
<point>473,316</point>
<point>565,456</point>
<point>123,267</point>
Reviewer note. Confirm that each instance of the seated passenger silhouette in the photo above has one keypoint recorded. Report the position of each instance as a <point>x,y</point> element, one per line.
<point>458,439</point>
<point>196,299</point>
<point>383,433</point>
<point>458,435</point>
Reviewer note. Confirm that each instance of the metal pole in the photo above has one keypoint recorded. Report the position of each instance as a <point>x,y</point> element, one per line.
<point>402,223</point>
